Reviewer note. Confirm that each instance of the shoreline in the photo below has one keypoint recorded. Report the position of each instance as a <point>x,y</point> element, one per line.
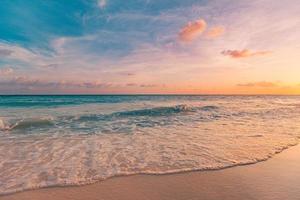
<point>201,183</point>
<point>155,174</point>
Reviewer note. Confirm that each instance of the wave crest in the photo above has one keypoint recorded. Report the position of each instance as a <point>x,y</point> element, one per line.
<point>157,111</point>
<point>42,122</point>
<point>26,123</point>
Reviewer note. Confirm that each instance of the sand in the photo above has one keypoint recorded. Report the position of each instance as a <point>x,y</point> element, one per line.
<point>277,178</point>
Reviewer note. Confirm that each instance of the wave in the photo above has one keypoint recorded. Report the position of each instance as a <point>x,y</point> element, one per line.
<point>151,113</point>
<point>3,125</point>
<point>148,112</point>
<point>37,101</point>
<point>209,108</point>
<point>26,123</point>
<point>157,111</point>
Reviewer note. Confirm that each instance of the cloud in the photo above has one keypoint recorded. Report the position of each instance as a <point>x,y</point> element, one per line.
<point>50,66</point>
<point>102,3</point>
<point>29,82</point>
<point>215,32</point>
<point>127,73</point>
<point>192,30</point>
<point>15,52</point>
<point>243,53</point>
<point>6,71</point>
<point>143,85</point>
<point>259,84</point>
<point>148,85</point>
<point>131,84</point>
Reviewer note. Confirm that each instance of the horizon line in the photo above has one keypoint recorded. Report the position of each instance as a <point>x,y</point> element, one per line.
<point>144,94</point>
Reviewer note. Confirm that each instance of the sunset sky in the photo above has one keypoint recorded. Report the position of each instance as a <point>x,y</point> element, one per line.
<point>150,46</point>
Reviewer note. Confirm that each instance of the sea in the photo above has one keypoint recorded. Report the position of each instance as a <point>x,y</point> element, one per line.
<point>61,140</point>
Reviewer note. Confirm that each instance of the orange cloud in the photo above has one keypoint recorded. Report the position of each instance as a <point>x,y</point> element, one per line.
<point>192,30</point>
<point>215,32</point>
<point>243,53</point>
<point>259,84</point>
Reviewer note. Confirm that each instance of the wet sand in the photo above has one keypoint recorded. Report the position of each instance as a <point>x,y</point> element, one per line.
<point>277,178</point>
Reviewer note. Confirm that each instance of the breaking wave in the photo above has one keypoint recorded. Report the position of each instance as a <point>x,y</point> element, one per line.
<point>26,123</point>
<point>49,122</point>
<point>158,111</point>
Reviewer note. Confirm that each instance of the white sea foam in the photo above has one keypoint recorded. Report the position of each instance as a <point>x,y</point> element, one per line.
<point>3,125</point>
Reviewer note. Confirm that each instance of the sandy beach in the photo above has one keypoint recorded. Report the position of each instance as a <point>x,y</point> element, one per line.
<point>276,178</point>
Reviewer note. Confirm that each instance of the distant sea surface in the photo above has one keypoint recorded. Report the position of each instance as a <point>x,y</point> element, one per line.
<point>75,140</point>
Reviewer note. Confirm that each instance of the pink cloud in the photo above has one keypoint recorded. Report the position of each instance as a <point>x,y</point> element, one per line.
<point>148,85</point>
<point>26,81</point>
<point>243,53</point>
<point>259,84</point>
<point>215,32</point>
<point>32,82</point>
<point>192,30</point>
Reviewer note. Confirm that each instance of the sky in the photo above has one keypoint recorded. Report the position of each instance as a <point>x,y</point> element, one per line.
<point>150,47</point>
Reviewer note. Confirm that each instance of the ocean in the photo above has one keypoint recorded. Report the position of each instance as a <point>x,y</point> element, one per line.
<point>80,139</point>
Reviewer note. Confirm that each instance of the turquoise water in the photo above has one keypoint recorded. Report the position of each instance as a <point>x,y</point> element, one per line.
<point>93,114</point>
<point>74,140</point>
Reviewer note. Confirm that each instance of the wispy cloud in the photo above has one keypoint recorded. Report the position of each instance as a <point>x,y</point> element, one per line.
<point>50,66</point>
<point>16,52</point>
<point>30,82</point>
<point>124,73</point>
<point>215,32</point>
<point>192,30</point>
<point>148,85</point>
<point>144,85</point>
<point>243,53</point>
<point>259,84</point>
